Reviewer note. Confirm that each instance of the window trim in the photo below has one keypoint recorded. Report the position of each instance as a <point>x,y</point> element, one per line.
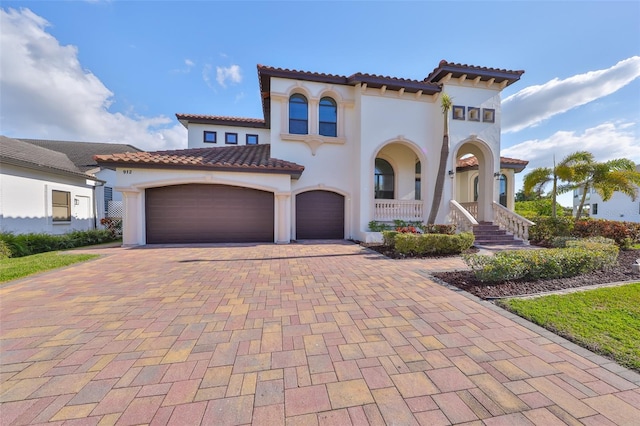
<point>67,205</point>
<point>458,112</point>
<point>251,135</point>
<point>209,133</point>
<point>226,138</point>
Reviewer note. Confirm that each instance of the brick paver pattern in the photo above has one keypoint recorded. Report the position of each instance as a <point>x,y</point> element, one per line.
<point>269,334</point>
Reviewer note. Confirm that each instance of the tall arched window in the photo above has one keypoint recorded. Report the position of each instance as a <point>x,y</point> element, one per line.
<point>503,190</point>
<point>418,187</point>
<point>475,189</point>
<point>384,180</point>
<point>298,115</point>
<point>328,117</point>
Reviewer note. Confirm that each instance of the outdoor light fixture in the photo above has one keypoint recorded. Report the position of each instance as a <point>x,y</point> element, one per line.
<point>496,175</point>
<point>451,173</point>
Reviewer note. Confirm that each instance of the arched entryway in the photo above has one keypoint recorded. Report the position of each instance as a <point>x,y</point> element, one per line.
<point>475,179</point>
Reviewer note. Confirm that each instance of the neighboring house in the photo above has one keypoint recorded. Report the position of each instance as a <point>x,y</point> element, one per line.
<point>54,186</point>
<point>331,154</point>
<point>619,207</point>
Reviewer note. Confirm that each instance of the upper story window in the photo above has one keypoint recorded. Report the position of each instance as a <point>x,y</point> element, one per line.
<point>61,206</point>
<point>209,137</point>
<point>328,117</point>
<point>231,138</point>
<point>252,139</point>
<point>298,115</point>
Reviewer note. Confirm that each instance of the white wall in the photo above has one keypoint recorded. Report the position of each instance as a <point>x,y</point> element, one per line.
<point>25,201</point>
<point>620,207</point>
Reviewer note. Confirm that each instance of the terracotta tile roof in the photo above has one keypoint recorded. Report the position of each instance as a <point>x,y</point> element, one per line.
<point>505,163</point>
<point>394,83</point>
<point>473,71</point>
<point>221,120</point>
<point>242,158</point>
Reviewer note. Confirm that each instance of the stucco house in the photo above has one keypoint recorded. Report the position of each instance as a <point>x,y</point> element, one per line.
<point>619,207</point>
<point>54,187</point>
<point>331,154</point>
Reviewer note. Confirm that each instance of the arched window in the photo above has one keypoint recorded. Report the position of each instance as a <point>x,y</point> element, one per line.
<point>418,186</point>
<point>384,180</point>
<point>328,117</point>
<point>298,115</point>
<point>475,189</point>
<point>503,190</point>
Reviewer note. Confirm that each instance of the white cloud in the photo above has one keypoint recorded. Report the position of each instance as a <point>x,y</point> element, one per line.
<point>534,104</point>
<point>605,141</point>
<point>46,93</point>
<point>187,68</point>
<point>228,74</point>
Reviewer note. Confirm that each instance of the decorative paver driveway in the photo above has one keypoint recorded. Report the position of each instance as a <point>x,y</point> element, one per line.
<point>298,334</point>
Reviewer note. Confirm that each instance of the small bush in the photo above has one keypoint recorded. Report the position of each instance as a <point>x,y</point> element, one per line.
<point>389,238</point>
<point>579,257</point>
<point>438,229</point>
<point>375,226</point>
<point>423,244</point>
<point>621,232</point>
<point>5,251</point>
<point>547,228</point>
<point>28,244</point>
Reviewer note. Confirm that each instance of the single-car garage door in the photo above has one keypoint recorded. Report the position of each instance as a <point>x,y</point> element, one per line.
<point>319,215</point>
<point>201,213</point>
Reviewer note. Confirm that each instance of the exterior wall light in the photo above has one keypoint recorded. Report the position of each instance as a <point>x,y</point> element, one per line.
<point>451,173</point>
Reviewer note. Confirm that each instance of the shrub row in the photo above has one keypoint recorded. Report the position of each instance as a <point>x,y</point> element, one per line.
<point>579,257</point>
<point>413,227</point>
<point>27,244</point>
<point>423,244</point>
<point>546,229</point>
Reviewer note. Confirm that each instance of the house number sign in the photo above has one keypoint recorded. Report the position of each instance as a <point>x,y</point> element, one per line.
<point>127,172</point>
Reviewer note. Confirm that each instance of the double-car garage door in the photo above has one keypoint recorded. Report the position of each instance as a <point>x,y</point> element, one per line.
<point>207,213</point>
<point>211,213</point>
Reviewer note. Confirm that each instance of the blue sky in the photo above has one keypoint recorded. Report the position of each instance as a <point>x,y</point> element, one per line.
<point>118,71</point>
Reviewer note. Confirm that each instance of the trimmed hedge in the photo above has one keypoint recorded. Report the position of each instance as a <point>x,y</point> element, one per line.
<point>422,244</point>
<point>547,229</point>
<point>28,244</point>
<point>579,257</point>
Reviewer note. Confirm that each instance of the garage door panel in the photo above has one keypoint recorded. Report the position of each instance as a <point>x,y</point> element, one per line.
<point>319,215</point>
<point>201,213</point>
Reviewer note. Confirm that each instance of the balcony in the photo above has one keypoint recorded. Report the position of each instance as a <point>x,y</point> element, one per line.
<point>389,210</point>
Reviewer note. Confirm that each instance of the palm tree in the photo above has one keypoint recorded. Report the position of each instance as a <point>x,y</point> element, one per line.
<point>571,169</point>
<point>619,175</point>
<point>446,103</point>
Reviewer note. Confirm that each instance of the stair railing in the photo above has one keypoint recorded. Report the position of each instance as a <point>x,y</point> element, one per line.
<point>463,220</point>
<point>511,222</point>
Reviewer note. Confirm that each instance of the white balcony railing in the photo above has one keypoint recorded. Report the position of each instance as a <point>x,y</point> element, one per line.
<point>388,210</point>
<point>461,217</point>
<point>512,222</point>
<point>472,208</point>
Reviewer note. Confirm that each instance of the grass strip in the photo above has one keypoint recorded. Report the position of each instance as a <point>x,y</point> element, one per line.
<point>604,320</point>
<point>20,267</point>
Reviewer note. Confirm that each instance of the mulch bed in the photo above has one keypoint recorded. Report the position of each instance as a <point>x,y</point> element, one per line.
<point>466,280</point>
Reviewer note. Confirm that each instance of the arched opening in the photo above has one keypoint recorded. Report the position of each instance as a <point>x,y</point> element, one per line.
<point>474,180</point>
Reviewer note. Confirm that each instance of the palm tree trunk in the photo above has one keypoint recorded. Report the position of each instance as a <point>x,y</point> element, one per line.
<point>439,189</point>
<point>584,197</point>
<point>554,195</point>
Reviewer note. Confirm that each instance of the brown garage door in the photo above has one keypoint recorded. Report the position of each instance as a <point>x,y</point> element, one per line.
<point>200,213</point>
<point>319,215</point>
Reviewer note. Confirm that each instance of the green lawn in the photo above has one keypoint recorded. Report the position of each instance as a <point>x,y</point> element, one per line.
<point>606,320</point>
<point>19,267</point>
